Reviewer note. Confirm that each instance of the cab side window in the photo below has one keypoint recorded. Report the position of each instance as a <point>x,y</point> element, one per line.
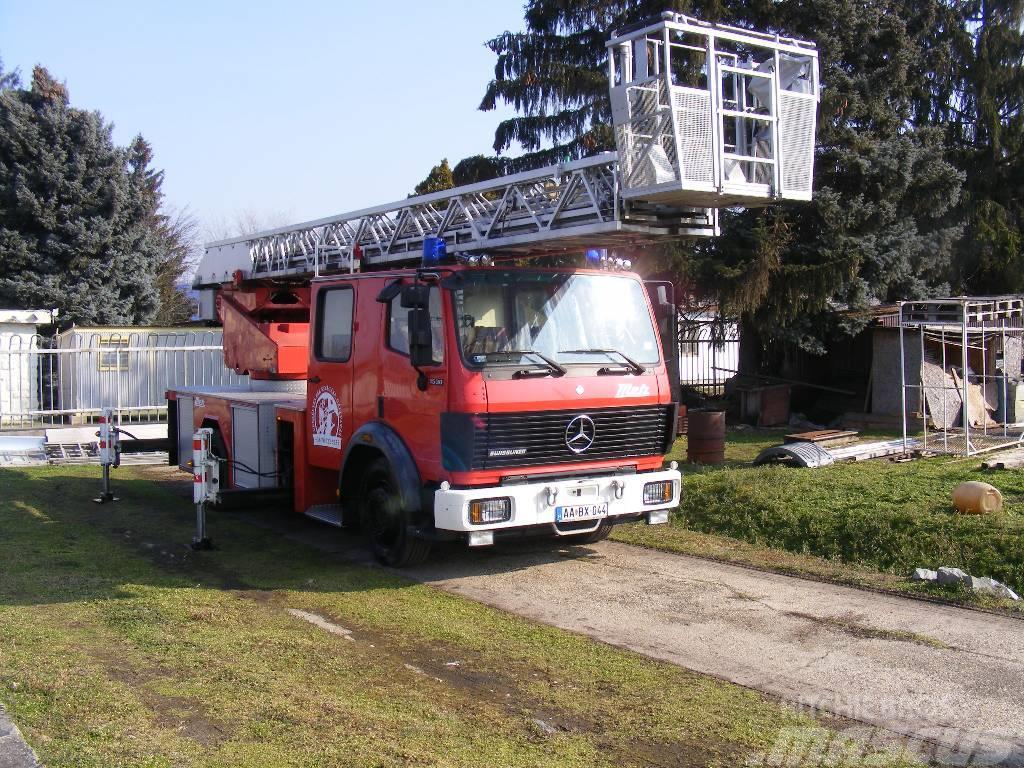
<point>334,324</point>
<point>398,325</point>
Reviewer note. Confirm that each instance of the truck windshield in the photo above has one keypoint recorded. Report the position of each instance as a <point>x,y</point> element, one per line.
<point>502,316</point>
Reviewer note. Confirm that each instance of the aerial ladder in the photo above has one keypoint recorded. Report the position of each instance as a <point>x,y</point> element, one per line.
<point>706,116</point>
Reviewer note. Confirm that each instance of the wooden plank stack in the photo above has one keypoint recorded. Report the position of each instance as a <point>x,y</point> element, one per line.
<point>826,438</point>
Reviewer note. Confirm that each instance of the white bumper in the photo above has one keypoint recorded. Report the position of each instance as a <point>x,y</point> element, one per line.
<point>532,502</point>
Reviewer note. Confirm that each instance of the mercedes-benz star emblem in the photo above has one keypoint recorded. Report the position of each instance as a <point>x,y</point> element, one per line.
<point>580,434</point>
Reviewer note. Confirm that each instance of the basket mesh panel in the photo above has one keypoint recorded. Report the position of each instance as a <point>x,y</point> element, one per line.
<point>692,110</point>
<point>796,128</point>
<point>647,152</point>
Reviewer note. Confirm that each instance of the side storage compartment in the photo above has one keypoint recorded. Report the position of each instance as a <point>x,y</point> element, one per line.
<point>254,445</point>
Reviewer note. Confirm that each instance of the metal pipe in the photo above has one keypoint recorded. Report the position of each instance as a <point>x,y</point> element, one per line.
<point>945,415</point>
<point>1005,377</point>
<point>903,382</point>
<point>789,381</point>
<point>965,410</point>
<point>923,396</point>
<point>200,524</point>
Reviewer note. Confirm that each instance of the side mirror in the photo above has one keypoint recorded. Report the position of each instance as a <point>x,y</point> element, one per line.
<point>421,346</point>
<point>416,296</point>
<point>663,310</point>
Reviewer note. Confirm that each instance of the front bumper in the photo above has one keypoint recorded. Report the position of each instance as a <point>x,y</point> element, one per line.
<point>534,504</point>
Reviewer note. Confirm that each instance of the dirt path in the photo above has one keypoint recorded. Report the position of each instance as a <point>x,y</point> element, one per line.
<point>945,675</point>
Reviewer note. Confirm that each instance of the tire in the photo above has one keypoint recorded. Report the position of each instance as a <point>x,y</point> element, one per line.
<point>600,534</point>
<point>385,523</point>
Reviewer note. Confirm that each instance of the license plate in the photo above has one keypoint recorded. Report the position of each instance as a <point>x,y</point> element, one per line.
<point>581,512</point>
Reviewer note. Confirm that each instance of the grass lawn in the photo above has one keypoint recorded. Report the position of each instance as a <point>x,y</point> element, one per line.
<point>121,647</point>
<point>868,523</point>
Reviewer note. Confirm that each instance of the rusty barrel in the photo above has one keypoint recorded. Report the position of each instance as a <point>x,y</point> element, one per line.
<point>705,437</point>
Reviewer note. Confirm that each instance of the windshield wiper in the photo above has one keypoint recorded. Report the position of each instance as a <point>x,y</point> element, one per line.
<point>633,364</point>
<point>554,368</point>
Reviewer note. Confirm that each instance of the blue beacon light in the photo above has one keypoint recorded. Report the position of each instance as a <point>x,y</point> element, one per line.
<point>435,250</point>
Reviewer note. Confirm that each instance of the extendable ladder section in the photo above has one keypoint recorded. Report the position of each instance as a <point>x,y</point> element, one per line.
<point>558,209</point>
<point>706,116</point>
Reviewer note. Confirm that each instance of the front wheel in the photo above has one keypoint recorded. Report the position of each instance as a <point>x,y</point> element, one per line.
<point>598,534</point>
<point>386,523</point>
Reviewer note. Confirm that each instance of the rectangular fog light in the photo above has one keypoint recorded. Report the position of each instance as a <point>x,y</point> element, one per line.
<point>658,493</point>
<point>657,517</point>
<point>481,538</point>
<point>486,511</point>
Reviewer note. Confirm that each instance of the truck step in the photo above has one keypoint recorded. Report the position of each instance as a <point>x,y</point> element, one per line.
<point>326,513</point>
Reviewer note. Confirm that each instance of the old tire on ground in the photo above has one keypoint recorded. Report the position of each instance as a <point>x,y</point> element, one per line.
<point>600,534</point>
<point>385,523</point>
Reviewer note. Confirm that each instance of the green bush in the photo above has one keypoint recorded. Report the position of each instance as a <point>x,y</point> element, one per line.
<point>892,517</point>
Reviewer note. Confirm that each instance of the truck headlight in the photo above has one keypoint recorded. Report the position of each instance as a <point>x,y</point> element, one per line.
<point>659,492</point>
<point>490,511</point>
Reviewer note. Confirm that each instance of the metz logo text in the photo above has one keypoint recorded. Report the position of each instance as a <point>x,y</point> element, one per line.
<point>632,390</point>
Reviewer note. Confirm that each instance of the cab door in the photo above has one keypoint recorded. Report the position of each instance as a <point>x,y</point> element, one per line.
<point>414,413</point>
<point>662,295</point>
<point>329,394</point>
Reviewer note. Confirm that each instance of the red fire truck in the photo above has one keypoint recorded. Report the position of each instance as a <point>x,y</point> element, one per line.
<point>414,373</point>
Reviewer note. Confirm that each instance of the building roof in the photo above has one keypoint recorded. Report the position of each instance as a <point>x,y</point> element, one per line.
<point>148,329</point>
<point>28,316</point>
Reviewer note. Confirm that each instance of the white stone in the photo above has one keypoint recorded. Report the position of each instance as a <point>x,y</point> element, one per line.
<point>923,574</point>
<point>988,586</point>
<point>953,576</point>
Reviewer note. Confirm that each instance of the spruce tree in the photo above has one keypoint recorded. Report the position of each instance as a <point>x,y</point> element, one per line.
<point>79,216</point>
<point>884,221</point>
<point>554,75</point>
<point>983,114</point>
<point>439,179</point>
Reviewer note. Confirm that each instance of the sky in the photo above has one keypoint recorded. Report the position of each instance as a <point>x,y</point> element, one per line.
<point>286,111</point>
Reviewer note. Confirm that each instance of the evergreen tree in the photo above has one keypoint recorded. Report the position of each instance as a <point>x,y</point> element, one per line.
<point>554,75</point>
<point>439,179</point>
<point>983,114</point>
<point>79,216</point>
<point>470,170</point>
<point>883,223</point>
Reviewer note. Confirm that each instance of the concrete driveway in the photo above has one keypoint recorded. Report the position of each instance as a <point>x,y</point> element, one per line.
<point>940,675</point>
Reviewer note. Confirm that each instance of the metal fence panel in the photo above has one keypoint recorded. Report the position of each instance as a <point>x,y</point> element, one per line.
<point>709,354</point>
<point>69,378</point>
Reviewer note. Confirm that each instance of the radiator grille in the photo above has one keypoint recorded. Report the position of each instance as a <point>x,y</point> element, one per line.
<point>539,437</point>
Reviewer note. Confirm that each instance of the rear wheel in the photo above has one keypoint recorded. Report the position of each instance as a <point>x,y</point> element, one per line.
<point>385,523</point>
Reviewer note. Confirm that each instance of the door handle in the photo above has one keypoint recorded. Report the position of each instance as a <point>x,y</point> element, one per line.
<point>313,379</point>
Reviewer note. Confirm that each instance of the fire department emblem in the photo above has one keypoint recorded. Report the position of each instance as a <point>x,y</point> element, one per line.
<point>326,419</point>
